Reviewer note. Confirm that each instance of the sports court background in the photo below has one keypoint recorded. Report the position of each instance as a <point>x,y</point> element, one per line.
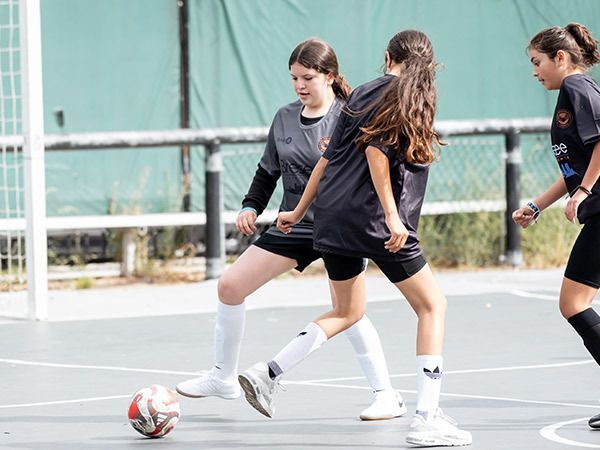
<point>112,65</point>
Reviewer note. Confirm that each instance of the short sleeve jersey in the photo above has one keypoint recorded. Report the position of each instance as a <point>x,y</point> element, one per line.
<point>291,152</point>
<point>349,218</point>
<point>575,130</point>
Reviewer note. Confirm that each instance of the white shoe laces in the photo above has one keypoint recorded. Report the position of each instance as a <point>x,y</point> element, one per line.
<point>440,413</point>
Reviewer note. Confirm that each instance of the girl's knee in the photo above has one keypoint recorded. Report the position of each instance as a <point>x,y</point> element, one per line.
<point>228,291</point>
<point>351,315</point>
<point>434,306</point>
<point>570,308</point>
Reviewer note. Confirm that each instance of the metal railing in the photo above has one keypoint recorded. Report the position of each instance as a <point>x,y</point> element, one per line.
<point>212,139</point>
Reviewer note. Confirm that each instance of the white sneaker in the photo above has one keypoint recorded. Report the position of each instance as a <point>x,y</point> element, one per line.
<point>209,385</point>
<point>386,405</point>
<point>442,431</point>
<point>260,390</point>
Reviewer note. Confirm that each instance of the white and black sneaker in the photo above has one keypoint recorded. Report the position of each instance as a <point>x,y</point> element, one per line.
<point>259,388</point>
<point>386,405</point>
<point>208,384</point>
<point>594,422</point>
<point>440,431</point>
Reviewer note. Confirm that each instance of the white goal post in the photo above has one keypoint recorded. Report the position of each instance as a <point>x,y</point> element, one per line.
<point>33,158</point>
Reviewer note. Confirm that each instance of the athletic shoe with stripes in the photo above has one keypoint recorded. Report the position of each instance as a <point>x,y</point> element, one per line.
<point>386,405</point>
<point>440,431</point>
<point>259,388</point>
<point>208,384</point>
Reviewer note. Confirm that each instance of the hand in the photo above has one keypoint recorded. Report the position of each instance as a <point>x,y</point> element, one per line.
<point>245,222</point>
<point>285,220</point>
<point>573,205</point>
<point>523,216</point>
<point>399,233</point>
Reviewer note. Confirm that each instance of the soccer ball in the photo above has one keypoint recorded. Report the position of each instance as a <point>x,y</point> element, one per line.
<point>154,411</point>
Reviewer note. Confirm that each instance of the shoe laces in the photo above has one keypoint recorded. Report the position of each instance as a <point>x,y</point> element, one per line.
<point>439,413</point>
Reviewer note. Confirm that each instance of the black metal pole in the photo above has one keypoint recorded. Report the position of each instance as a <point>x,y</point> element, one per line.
<point>514,256</point>
<point>184,100</point>
<point>215,231</point>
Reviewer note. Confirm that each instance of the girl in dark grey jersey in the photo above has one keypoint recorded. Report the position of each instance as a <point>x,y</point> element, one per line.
<point>560,58</point>
<point>371,182</point>
<point>298,135</point>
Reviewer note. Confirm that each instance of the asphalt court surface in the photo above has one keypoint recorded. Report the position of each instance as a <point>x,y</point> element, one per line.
<point>516,376</point>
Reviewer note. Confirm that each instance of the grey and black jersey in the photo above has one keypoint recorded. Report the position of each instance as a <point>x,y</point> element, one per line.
<point>291,153</point>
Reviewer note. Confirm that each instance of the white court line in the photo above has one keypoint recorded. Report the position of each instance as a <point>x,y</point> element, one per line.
<point>62,402</point>
<point>446,394</point>
<point>451,372</point>
<point>322,380</point>
<point>78,366</point>
<point>527,294</point>
<point>549,433</point>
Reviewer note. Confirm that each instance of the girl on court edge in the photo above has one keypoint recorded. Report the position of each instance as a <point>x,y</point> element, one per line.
<point>371,183</point>
<point>299,134</point>
<point>560,58</point>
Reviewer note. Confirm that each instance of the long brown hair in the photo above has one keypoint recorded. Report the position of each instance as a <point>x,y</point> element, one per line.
<point>406,110</point>
<point>317,54</point>
<point>574,39</point>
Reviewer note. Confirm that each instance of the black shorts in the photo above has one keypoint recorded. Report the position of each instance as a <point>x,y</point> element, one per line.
<point>341,268</point>
<point>299,249</point>
<point>584,261</point>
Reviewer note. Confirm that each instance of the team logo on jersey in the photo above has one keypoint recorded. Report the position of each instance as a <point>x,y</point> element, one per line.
<point>564,118</point>
<point>323,143</point>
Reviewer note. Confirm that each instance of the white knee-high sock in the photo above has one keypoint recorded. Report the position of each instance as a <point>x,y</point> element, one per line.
<point>307,341</point>
<point>429,383</point>
<point>367,346</point>
<point>229,331</point>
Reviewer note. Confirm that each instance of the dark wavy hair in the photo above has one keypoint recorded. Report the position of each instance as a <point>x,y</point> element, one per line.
<point>317,54</point>
<point>406,110</point>
<point>574,39</point>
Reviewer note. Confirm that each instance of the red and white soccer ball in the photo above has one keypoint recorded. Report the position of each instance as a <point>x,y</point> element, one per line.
<point>154,411</point>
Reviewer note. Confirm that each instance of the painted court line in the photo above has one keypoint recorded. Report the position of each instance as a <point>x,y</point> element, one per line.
<point>549,433</point>
<point>321,380</point>
<point>527,294</point>
<point>447,394</point>
<point>64,402</point>
<point>79,366</point>
<point>466,371</point>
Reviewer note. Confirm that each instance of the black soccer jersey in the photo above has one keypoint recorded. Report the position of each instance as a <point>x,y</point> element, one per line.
<point>575,131</point>
<point>349,219</point>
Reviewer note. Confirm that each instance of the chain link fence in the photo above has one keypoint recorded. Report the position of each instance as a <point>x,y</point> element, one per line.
<point>464,215</point>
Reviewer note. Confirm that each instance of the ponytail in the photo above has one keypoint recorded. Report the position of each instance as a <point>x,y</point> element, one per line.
<point>341,88</point>
<point>586,42</point>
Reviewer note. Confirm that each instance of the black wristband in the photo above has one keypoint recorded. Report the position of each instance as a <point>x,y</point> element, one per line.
<point>584,189</point>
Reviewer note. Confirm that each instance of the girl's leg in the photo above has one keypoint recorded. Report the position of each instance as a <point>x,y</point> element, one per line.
<point>260,381</point>
<point>579,287</point>
<point>347,310</point>
<point>367,347</point>
<point>575,306</point>
<point>428,302</point>
<point>254,268</point>
<point>430,427</point>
